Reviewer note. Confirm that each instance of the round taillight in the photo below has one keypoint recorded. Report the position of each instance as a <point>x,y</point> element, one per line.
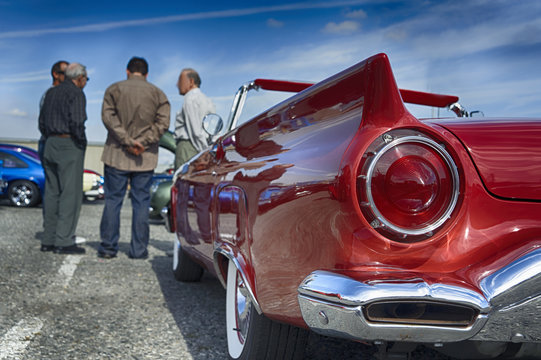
<point>409,187</point>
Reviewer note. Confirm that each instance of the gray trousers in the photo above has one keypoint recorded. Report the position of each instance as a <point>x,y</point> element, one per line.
<point>184,152</point>
<point>63,165</point>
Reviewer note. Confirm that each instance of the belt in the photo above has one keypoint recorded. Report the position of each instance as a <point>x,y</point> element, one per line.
<point>61,135</point>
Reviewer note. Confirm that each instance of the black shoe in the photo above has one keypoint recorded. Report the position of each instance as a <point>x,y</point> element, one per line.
<point>144,257</point>
<point>47,248</point>
<point>69,250</point>
<point>106,255</point>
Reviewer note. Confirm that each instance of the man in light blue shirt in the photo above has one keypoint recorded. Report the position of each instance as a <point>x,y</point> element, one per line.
<point>189,133</point>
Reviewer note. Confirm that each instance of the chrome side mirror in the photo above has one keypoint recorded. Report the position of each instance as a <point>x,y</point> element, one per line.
<point>213,124</point>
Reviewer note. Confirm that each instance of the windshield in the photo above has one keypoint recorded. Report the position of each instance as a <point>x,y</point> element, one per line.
<point>259,101</point>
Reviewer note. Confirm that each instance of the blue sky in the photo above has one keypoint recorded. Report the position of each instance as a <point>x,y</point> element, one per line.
<point>485,51</point>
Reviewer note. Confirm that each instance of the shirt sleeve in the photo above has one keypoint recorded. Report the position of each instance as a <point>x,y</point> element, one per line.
<point>41,118</point>
<point>180,128</point>
<point>109,116</point>
<point>41,123</point>
<point>78,118</point>
<point>194,123</point>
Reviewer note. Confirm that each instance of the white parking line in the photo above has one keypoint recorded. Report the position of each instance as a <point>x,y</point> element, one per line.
<point>15,341</point>
<point>13,344</point>
<point>65,273</point>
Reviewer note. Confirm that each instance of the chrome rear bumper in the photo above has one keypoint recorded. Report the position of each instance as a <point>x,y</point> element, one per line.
<point>506,308</point>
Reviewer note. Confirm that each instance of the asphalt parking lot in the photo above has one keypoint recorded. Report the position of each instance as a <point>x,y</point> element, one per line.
<point>84,307</point>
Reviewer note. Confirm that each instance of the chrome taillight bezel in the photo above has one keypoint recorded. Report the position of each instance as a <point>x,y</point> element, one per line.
<point>376,219</point>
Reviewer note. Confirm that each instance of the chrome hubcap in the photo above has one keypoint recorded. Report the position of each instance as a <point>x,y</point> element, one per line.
<point>176,248</point>
<point>243,307</point>
<point>21,195</point>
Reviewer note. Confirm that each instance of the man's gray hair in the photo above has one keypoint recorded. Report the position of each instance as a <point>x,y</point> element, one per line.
<point>192,74</point>
<point>74,70</point>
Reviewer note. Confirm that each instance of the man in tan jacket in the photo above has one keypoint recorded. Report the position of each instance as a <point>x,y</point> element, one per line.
<point>136,114</point>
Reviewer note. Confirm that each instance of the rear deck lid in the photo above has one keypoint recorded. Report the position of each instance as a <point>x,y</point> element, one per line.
<point>506,152</point>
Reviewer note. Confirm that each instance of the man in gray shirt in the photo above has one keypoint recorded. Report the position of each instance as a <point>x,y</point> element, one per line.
<point>189,133</point>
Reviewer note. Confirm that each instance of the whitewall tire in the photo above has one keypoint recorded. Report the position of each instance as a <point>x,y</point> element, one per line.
<point>254,336</point>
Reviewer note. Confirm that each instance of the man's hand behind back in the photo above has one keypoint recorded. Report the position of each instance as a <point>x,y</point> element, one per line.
<point>136,149</point>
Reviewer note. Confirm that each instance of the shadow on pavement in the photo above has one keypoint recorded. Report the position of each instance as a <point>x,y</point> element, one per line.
<point>197,308</point>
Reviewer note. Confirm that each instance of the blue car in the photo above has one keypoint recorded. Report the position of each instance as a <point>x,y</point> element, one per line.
<point>24,177</point>
<point>3,183</point>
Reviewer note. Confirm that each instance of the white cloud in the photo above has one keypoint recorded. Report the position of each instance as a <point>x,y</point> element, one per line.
<point>273,23</point>
<point>398,35</point>
<point>27,77</point>
<point>345,27</point>
<point>94,101</point>
<point>179,18</point>
<point>17,113</point>
<point>435,33</point>
<point>357,14</point>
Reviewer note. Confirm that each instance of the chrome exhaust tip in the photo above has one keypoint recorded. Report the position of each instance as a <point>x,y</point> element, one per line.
<point>420,313</point>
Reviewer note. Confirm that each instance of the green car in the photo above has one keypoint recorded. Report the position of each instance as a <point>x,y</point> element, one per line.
<point>160,190</point>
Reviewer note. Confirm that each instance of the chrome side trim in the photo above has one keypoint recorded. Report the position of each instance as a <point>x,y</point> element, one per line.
<point>229,254</point>
<point>331,304</point>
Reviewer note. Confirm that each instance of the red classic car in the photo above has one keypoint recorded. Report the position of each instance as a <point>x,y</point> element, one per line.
<point>340,212</point>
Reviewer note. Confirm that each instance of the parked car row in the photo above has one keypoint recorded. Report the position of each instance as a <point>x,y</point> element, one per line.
<point>24,178</point>
<point>92,185</point>
<point>338,211</point>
